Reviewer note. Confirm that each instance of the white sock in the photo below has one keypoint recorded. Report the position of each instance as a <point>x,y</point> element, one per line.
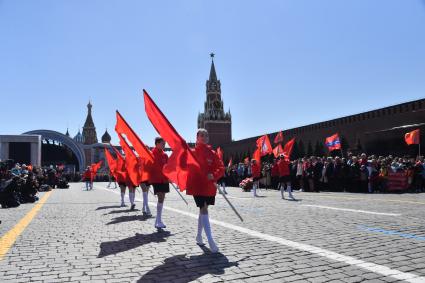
<point>206,224</point>
<point>254,190</point>
<point>199,235</point>
<point>290,191</point>
<point>145,201</point>
<point>159,212</point>
<point>122,197</point>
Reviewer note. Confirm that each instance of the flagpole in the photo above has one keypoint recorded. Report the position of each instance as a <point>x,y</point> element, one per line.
<point>179,193</point>
<point>228,201</point>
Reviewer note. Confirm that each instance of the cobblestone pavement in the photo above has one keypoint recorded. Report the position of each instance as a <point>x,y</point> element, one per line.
<point>83,235</point>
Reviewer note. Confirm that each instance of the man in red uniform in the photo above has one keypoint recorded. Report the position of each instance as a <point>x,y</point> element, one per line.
<point>204,192</point>
<point>256,176</point>
<point>284,176</point>
<point>158,180</point>
<point>87,178</point>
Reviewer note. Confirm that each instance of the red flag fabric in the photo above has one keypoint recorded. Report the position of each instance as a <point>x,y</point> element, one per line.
<point>230,162</point>
<point>112,163</point>
<point>263,143</point>
<point>277,150</point>
<point>257,156</point>
<point>412,137</point>
<point>120,173</point>
<point>278,138</point>
<point>182,164</point>
<point>123,128</point>
<point>333,142</point>
<point>220,153</point>
<point>131,163</point>
<point>287,149</point>
<point>94,168</point>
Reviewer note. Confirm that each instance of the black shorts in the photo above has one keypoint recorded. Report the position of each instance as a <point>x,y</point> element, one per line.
<point>285,179</point>
<point>161,188</point>
<point>202,200</point>
<point>256,179</point>
<point>122,184</point>
<point>145,183</point>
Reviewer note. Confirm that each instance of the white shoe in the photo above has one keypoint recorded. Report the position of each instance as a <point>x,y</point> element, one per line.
<point>199,241</point>
<point>160,225</point>
<point>213,247</point>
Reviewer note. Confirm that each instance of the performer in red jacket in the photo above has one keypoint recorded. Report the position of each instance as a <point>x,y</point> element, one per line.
<point>87,178</point>
<point>256,176</point>
<point>204,192</point>
<point>158,180</point>
<point>284,176</point>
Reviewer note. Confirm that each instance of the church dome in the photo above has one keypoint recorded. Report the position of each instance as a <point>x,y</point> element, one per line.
<point>106,138</point>
<point>79,137</point>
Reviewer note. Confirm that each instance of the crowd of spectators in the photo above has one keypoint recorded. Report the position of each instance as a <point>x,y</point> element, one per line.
<point>354,173</point>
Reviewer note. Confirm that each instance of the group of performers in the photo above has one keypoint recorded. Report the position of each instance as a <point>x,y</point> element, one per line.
<point>203,192</point>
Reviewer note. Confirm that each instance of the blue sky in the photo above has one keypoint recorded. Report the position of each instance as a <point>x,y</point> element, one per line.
<point>282,64</point>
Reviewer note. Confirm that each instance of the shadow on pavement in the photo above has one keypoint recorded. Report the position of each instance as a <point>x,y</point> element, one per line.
<point>115,247</point>
<point>121,211</point>
<point>108,207</point>
<point>187,269</point>
<point>128,218</point>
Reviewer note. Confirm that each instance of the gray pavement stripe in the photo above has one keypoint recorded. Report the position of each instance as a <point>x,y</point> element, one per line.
<point>376,268</point>
<point>352,210</point>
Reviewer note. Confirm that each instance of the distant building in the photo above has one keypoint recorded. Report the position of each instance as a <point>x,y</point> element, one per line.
<point>217,122</point>
<point>379,131</point>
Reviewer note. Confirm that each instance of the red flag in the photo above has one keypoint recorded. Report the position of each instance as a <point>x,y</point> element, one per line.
<point>230,162</point>
<point>94,168</point>
<point>131,163</point>
<point>120,174</point>
<point>263,143</point>
<point>122,127</point>
<point>287,149</point>
<point>412,137</point>
<point>220,153</point>
<point>182,164</point>
<point>277,150</point>
<point>257,156</point>
<point>278,138</point>
<point>112,163</point>
<point>333,142</point>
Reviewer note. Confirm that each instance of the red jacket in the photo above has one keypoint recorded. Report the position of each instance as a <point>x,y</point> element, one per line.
<point>155,169</point>
<point>87,175</point>
<point>210,163</point>
<point>256,171</point>
<point>275,170</point>
<point>283,167</point>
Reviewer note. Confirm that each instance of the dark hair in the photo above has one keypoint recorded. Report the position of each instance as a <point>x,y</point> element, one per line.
<point>158,140</point>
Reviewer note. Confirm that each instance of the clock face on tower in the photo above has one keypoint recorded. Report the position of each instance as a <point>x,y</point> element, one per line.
<point>217,104</point>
